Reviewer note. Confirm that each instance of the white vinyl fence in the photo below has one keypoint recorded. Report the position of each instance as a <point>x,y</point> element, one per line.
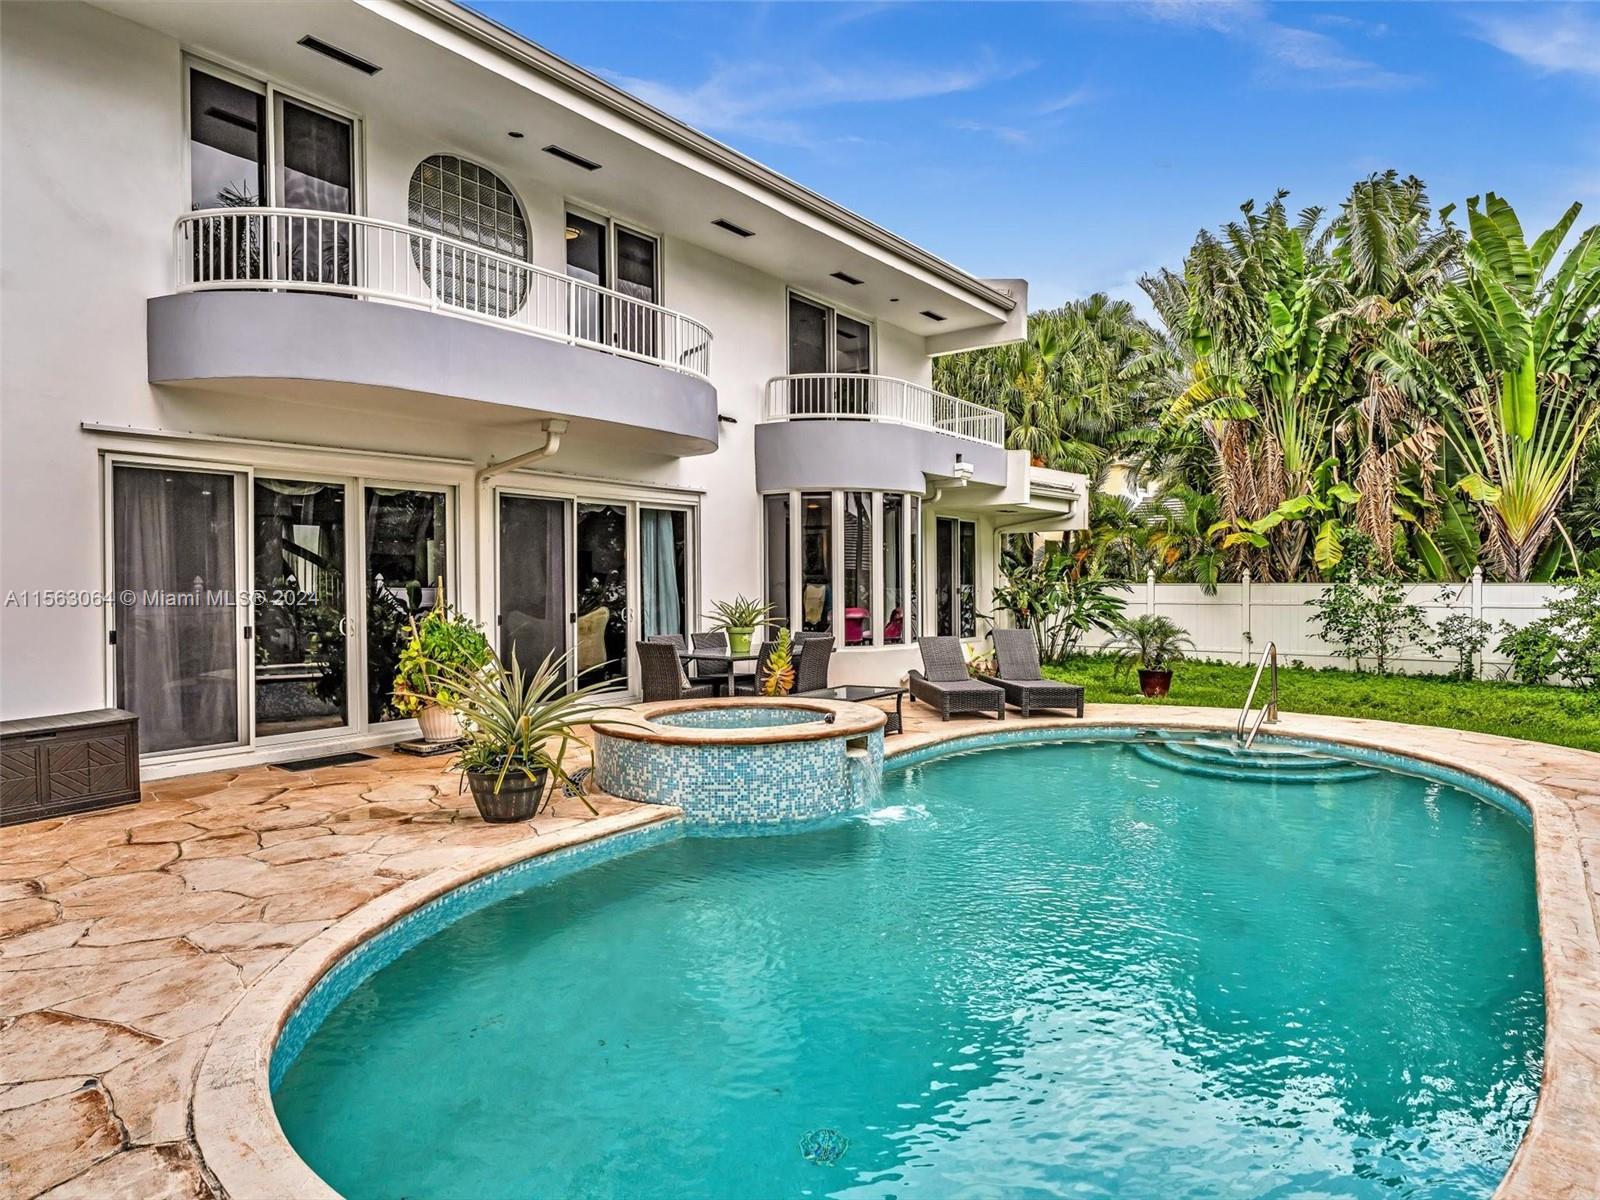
<point>1241,618</point>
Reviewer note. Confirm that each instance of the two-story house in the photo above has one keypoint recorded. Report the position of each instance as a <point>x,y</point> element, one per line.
<point>313,309</point>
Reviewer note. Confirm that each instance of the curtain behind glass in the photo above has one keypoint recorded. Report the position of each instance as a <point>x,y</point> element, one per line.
<point>175,573</point>
<point>661,545</point>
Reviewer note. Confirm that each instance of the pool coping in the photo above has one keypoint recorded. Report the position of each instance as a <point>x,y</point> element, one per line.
<point>246,1153</point>
<point>850,720</point>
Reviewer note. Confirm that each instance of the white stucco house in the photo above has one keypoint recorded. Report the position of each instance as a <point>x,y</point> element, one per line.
<point>311,309</point>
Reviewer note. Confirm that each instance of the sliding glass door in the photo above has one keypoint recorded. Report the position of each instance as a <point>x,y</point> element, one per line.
<point>406,562</point>
<point>663,572</point>
<point>301,615</point>
<point>177,641</point>
<point>533,579</point>
<point>601,562</point>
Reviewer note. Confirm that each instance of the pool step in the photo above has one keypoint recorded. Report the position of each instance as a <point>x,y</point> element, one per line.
<point>1274,765</point>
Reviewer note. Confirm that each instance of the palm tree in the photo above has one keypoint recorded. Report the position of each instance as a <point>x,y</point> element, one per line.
<point>1510,353</point>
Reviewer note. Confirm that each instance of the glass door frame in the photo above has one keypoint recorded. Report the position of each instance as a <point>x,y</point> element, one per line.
<point>355,623</point>
<point>243,569</point>
<point>631,501</point>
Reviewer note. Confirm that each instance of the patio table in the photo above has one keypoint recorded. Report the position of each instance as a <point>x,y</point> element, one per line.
<point>859,692</point>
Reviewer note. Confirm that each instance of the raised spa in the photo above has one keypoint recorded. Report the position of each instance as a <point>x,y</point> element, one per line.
<point>743,761</point>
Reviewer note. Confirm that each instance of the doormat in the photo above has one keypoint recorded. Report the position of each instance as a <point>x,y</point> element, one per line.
<point>327,760</point>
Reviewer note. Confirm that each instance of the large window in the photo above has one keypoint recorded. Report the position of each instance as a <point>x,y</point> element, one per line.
<point>461,200</point>
<point>608,255</point>
<point>955,572</point>
<point>407,551</point>
<point>823,340</point>
<point>857,557</point>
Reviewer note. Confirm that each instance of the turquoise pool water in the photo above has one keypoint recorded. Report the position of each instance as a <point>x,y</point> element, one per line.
<point>1044,970</point>
<point>754,717</point>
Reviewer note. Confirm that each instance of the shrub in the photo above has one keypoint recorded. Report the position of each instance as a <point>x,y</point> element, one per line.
<point>1565,641</point>
<point>1049,595</point>
<point>1152,642</point>
<point>444,645</point>
<point>1462,634</point>
<point>1370,620</point>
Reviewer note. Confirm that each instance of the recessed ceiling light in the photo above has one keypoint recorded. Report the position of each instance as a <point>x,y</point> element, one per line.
<point>516,133</point>
<point>931,315</point>
<point>894,299</point>
<point>577,160</point>
<point>352,61</point>
<point>843,278</point>
<point>724,223</point>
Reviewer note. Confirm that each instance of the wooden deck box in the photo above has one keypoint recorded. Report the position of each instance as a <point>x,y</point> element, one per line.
<point>75,762</point>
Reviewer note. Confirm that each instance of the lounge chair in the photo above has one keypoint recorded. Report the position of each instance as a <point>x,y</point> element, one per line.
<point>944,684</point>
<point>661,674</point>
<point>1021,679</point>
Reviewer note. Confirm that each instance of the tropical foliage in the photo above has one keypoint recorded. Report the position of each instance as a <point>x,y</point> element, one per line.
<point>443,641</point>
<point>1322,381</point>
<point>1150,642</point>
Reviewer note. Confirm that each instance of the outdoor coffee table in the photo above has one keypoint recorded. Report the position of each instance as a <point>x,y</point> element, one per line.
<point>865,691</point>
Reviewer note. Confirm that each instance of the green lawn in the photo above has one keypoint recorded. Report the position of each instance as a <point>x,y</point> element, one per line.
<point>1545,714</point>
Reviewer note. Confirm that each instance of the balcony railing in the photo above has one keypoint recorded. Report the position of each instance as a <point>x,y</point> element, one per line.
<point>880,398</point>
<point>254,249</point>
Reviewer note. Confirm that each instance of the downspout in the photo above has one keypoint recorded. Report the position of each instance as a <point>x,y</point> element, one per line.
<point>553,429</point>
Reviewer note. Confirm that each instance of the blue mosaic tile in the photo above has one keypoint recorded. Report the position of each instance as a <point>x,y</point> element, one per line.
<point>754,717</point>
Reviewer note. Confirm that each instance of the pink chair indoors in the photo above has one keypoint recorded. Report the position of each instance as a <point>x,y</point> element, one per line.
<point>855,623</point>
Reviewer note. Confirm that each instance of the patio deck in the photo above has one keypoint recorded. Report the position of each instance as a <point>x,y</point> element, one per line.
<point>128,937</point>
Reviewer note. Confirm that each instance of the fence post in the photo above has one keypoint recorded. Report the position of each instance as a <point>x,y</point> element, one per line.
<point>1477,614</point>
<point>1150,592</point>
<point>1244,616</point>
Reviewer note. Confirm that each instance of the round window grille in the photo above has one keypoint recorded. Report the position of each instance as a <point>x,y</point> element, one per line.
<point>461,200</point>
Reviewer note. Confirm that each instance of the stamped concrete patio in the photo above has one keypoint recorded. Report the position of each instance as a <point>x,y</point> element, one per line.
<point>128,937</point>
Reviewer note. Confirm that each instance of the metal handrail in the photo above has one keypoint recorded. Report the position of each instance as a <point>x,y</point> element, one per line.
<point>845,396</point>
<point>304,250</point>
<point>1269,711</point>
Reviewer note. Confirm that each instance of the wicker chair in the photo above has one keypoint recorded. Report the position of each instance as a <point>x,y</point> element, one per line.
<point>715,640</point>
<point>944,684</point>
<point>811,671</point>
<point>1021,679</point>
<point>750,685</point>
<point>671,639</point>
<point>661,674</point>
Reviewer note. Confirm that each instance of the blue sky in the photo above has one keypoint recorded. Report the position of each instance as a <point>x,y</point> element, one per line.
<point>1081,145</point>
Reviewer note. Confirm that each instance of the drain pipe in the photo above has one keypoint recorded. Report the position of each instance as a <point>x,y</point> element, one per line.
<point>553,429</point>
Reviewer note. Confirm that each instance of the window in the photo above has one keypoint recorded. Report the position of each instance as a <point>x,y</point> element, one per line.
<point>461,200</point>
<point>955,571</point>
<point>227,144</point>
<point>608,255</point>
<point>824,340</point>
<point>407,554</point>
<point>914,575</point>
<point>664,570</point>
<point>857,559</point>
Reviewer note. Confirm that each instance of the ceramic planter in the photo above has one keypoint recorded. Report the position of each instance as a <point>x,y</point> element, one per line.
<point>438,724</point>
<point>519,798</point>
<point>1154,683</point>
<point>739,638</point>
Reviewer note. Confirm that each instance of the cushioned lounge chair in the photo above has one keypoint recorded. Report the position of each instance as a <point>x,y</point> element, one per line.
<point>1021,679</point>
<point>661,674</point>
<point>943,682</point>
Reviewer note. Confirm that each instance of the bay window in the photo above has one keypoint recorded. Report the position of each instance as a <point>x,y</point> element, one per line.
<point>955,577</point>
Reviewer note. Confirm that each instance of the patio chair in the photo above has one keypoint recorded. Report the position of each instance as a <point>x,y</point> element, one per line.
<point>720,667</point>
<point>661,674</point>
<point>811,669</point>
<point>944,684</point>
<point>671,639</point>
<point>1023,682</point>
<point>750,685</point>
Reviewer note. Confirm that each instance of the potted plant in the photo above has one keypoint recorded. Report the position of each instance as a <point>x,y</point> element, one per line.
<point>738,618</point>
<point>443,640</point>
<point>1154,643</point>
<point>516,730</point>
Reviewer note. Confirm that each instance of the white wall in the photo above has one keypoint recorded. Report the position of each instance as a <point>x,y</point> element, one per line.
<point>1238,622</point>
<point>93,157</point>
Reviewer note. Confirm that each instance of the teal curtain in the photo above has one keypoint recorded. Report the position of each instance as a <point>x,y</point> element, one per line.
<point>663,596</point>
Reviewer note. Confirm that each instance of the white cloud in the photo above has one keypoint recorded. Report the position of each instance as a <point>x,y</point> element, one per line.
<point>764,99</point>
<point>1009,134</point>
<point>1568,40</point>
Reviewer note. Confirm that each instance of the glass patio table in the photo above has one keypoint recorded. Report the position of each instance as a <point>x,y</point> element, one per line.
<point>858,692</point>
<point>723,679</point>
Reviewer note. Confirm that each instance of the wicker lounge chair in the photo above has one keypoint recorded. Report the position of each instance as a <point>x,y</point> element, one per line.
<point>943,682</point>
<point>1021,679</point>
<point>662,677</point>
<point>811,668</point>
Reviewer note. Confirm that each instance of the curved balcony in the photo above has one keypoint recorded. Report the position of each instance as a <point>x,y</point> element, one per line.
<point>881,398</point>
<point>873,431</point>
<point>246,249</point>
<point>264,307</point>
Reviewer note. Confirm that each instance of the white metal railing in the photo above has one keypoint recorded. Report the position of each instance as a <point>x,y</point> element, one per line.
<point>880,398</point>
<point>302,250</point>
<point>1269,710</point>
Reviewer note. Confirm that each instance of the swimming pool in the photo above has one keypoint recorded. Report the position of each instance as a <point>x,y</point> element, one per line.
<point>1034,970</point>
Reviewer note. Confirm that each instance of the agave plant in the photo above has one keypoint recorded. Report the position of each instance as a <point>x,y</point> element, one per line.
<point>1151,641</point>
<point>509,719</point>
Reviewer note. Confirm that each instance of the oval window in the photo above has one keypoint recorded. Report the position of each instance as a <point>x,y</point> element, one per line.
<point>468,203</point>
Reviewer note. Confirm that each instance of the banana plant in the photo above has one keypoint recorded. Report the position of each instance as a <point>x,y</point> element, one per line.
<point>1318,506</point>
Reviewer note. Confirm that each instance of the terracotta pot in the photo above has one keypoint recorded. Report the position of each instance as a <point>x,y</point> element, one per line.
<point>739,639</point>
<point>519,798</point>
<point>1154,683</point>
<point>438,724</point>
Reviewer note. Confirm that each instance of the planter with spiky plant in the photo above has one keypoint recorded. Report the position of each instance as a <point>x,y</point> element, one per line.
<point>778,680</point>
<point>739,618</point>
<point>1152,642</point>
<point>516,730</point>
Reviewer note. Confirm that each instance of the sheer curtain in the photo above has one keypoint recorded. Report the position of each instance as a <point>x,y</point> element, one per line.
<point>663,591</point>
<point>174,569</point>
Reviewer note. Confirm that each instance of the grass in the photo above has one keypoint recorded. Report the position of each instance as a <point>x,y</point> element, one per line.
<point>1544,714</point>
